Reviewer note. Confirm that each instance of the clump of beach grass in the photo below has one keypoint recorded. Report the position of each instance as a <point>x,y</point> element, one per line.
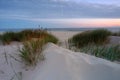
<point>31,52</point>
<point>33,42</point>
<point>116,33</point>
<point>50,38</point>
<point>111,53</point>
<point>99,36</point>
<point>26,35</point>
<point>7,37</point>
<point>94,43</point>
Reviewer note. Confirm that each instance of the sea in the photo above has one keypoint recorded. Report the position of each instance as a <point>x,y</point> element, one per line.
<point>116,29</point>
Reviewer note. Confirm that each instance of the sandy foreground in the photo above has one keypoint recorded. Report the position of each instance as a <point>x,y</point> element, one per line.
<point>59,64</point>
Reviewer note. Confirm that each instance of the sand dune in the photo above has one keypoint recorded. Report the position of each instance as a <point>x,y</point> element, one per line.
<point>59,64</point>
<point>62,64</point>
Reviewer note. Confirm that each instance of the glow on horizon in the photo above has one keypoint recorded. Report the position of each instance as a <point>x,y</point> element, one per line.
<point>85,22</point>
<point>96,22</point>
<point>28,22</point>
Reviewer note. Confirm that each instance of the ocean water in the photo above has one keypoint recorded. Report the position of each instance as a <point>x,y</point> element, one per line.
<point>62,29</point>
<point>83,29</point>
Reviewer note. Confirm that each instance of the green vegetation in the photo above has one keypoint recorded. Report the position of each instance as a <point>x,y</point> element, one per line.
<point>50,38</point>
<point>110,53</point>
<point>31,52</point>
<point>90,37</point>
<point>93,43</point>
<point>33,41</point>
<point>25,35</point>
<point>116,33</point>
<point>7,37</point>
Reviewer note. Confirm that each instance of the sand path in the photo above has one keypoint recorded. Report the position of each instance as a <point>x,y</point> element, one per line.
<point>63,64</point>
<point>63,36</point>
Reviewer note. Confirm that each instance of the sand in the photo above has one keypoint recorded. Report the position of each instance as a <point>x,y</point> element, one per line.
<point>59,64</point>
<point>62,64</point>
<point>64,35</point>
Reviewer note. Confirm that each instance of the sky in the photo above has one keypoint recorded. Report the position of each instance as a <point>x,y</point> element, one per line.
<point>59,13</point>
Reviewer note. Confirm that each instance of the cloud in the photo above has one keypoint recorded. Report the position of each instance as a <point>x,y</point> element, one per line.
<point>58,9</point>
<point>59,0</point>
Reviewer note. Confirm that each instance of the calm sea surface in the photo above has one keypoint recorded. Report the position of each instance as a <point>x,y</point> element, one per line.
<point>64,29</point>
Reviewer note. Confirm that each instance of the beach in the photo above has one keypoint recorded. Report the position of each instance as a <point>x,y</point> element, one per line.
<point>59,39</point>
<point>59,64</point>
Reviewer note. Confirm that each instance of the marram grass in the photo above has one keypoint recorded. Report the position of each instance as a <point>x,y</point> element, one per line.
<point>31,52</point>
<point>26,35</point>
<point>33,42</point>
<point>90,37</point>
<point>111,53</point>
<point>116,33</point>
<point>94,43</point>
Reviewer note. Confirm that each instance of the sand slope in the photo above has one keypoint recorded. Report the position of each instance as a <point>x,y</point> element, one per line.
<point>59,64</point>
<point>62,64</point>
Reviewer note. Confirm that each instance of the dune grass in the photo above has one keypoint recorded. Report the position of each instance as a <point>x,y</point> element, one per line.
<point>0,36</point>
<point>116,33</point>
<point>33,42</point>
<point>111,53</point>
<point>7,37</point>
<point>90,37</point>
<point>31,52</point>
<point>25,35</point>
<point>93,43</point>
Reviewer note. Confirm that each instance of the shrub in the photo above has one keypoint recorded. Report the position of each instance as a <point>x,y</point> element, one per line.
<point>31,52</point>
<point>110,53</point>
<point>90,37</point>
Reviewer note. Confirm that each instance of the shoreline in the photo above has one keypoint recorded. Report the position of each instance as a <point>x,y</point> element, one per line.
<point>60,63</point>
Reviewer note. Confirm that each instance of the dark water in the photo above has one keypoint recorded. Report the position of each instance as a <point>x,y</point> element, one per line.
<point>63,29</point>
<point>83,29</point>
